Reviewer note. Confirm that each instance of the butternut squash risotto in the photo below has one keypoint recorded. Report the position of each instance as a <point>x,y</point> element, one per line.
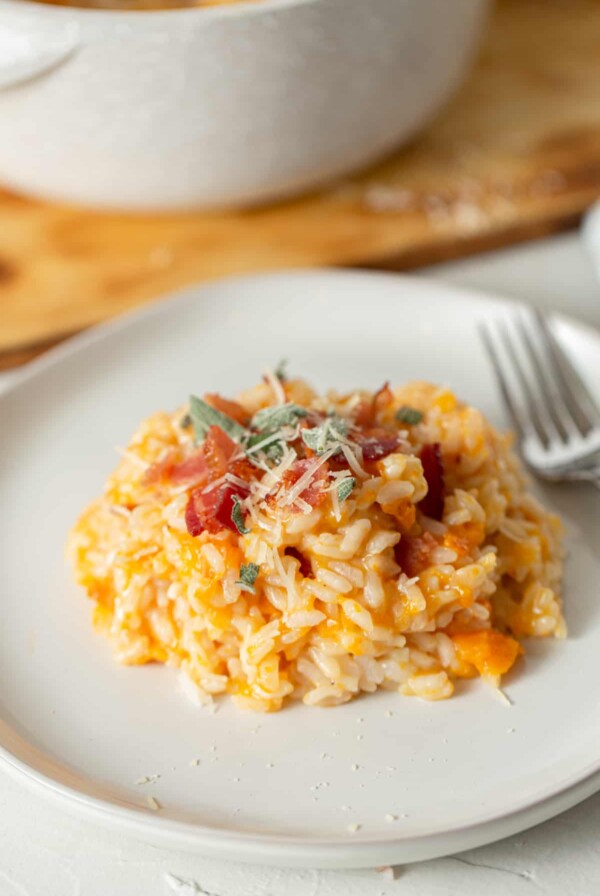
<point>304,546</point>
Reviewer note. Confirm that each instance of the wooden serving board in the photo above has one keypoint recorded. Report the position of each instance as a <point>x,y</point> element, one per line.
<point>516,155</point>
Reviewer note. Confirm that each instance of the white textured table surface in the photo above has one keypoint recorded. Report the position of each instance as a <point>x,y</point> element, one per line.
<point>45,852</point>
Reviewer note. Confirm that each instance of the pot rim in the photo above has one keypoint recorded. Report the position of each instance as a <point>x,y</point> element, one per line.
<point>242,9</point>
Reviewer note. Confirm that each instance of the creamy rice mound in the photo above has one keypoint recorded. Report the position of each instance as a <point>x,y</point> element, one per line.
<point>305,546</point>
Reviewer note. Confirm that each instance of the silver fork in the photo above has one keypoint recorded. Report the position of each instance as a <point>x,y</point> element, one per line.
<point>556,417</point>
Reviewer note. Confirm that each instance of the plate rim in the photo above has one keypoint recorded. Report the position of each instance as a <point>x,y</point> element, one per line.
<point>100,331</point>
<point>302,852</point>
<point>272,848</point>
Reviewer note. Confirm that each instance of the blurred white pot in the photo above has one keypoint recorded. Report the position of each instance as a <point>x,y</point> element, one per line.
<point>219,106</point>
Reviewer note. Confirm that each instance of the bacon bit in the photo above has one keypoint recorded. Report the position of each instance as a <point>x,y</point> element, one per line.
<point>363,415</point>
<point>218,449</point>
<point>193,520</point>
<point>337,463</point>
<point>413,554</point>
<point>159,470</point>
<point>314,493</point>
<point>194,470</point>
<point>366,411</point>
<point>382,398</point>
<point>490,652</point>
<point>230,408</point>
<point>224,507</point>
<point>432,504</point>
<point>377,443</point>
<point>305,566</point>
<point>243,469</point>
<point>211,511</point>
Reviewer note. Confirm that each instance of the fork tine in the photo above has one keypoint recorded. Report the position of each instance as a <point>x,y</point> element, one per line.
<point>519,420</point>
<point>557,415</point>
<point>540,422</point>
<point>578,399</point>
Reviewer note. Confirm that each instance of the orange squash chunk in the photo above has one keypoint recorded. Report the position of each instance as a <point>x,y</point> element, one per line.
<point>490,652</point>
<point>463,539</point>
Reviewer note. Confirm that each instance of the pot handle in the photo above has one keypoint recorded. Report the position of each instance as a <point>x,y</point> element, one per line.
<point>28,53</point>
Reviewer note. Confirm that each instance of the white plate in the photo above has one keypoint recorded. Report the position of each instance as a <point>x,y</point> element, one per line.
<point>273,788</point>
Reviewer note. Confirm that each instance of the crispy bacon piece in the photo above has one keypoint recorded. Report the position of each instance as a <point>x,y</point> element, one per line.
<point>377,449</point>
<point>159,470</point>
<point>366,411</point>
<point>231,408</point>
<point>413,554</point>
<point>314,493</point>
<point>363,415</point>
<point>432,504</point>
<point>211,510</point>
<point>305,566</point>
<point>224,505</point>
<point>194,513</point>
<point>339,462</point>
<point>243,469</point>
<point>218,450</point>
<point>377,443</point>
<point>193,470</point>
<point>382,398</point>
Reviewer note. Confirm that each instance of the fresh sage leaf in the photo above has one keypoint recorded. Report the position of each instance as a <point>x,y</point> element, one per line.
<point>281,371</point>
<point>345,488</point>
<point>320,438</point>
<point>408,415</point>
<point>275,417</point>
<point>248,576</point>
<point>204,416</point>
<point>237,517</point>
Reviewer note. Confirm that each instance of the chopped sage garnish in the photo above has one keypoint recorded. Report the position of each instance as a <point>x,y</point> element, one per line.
<point>277,416</point>
<point>345,488</point>
<point>333,429</point>
<point>204,416</point>
<point>281,371</point>
<point>248,575</point>
<point>274,451</point>
<point>268,443</point>
<point>259,440</point>
<point>237,517</point>
<point>408,415</point>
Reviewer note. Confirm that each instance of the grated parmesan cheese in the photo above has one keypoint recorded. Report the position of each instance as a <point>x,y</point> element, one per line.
<point>275,384</point>
<point>353,462</point>
<point>290,496</point>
